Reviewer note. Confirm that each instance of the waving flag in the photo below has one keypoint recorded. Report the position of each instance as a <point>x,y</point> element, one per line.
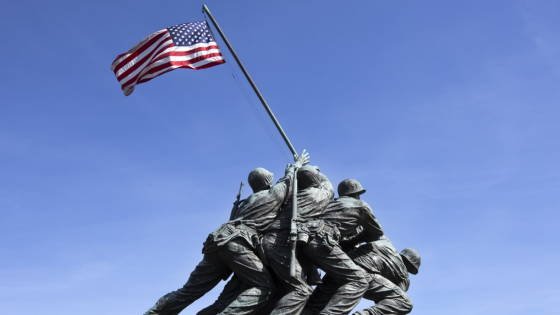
<point>188,45</point>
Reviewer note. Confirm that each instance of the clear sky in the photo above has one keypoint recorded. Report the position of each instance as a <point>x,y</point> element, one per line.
<point>448,113</point>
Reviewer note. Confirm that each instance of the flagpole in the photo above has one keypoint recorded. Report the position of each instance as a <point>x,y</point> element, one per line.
<point>205,9</point>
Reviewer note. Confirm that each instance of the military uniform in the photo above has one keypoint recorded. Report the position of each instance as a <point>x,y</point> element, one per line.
<point>311,202</point>
<point>346,281</point>
<point>387,281</point>
<point>324,227</point>
<point>231,249</point>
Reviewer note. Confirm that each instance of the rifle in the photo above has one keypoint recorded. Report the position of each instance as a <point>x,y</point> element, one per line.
<point>236,205</point>
<point>293,229</point>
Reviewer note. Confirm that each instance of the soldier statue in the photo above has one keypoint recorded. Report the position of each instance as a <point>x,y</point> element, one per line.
<point>322,222</point>
<point>387,274</point>
<point>232,248</point>
<point>315,191</point>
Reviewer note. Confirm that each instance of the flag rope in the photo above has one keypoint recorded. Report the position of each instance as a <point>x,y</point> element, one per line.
<point>252,104</point>
<point>251,82</point>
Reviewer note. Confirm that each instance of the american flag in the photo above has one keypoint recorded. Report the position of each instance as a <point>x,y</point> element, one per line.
<point>188,45</point>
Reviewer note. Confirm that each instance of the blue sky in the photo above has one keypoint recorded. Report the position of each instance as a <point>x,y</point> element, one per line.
<point>446,111</point>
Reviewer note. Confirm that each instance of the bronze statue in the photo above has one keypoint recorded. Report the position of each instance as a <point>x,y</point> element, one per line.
<point>254,245</point>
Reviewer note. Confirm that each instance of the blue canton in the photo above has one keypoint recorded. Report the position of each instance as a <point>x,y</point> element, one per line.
<point>188,34</point>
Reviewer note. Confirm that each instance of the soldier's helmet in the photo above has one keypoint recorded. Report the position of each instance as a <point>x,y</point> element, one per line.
<point>349,187</point>
<point>411,259</point>
<point>260,179</point>
<point>309,176</point>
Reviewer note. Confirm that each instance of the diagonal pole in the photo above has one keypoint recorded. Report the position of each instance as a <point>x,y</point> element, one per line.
<point>261,98</point>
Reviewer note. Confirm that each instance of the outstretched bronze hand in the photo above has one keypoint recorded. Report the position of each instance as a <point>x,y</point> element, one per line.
<point>302,159</point>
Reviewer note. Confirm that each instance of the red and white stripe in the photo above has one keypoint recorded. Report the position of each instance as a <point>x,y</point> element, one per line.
<point>156,55</point>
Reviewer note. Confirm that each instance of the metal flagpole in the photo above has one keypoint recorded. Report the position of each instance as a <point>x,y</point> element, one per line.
<point>205,9</point>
